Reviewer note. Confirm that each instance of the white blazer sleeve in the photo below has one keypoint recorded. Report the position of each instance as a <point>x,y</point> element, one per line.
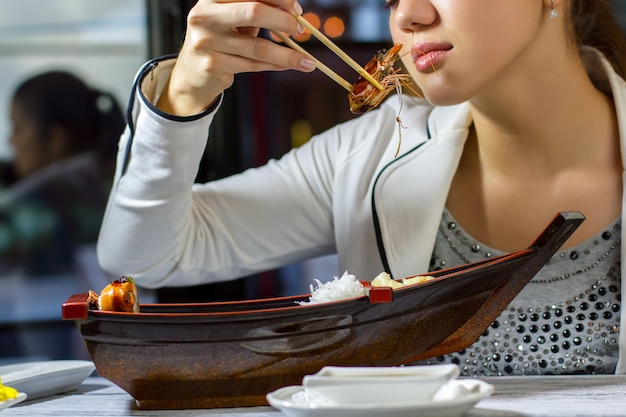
<point>162,229</point>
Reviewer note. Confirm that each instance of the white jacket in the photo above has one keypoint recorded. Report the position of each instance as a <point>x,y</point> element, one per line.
<point>343,192</point>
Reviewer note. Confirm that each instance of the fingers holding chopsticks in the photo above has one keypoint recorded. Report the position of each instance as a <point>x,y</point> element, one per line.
<point>221,41</point>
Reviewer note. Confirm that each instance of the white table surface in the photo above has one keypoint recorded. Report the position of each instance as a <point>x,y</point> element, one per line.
<point>545,396</point>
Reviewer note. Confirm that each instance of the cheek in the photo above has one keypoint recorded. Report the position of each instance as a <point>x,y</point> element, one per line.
<point>407,64</point>
<point>29,155</point>
<point>23,142</point>
<point>398,36</point>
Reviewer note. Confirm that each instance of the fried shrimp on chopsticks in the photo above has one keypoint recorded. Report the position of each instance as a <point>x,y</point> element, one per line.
<point>376,79</point>
<point>364,96</point>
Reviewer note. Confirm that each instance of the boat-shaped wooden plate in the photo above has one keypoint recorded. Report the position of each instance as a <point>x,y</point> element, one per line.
<point>231,354</point>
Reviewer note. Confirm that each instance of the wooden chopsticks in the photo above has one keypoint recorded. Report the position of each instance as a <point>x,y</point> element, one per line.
<point>330,45</point>
<point>341,54</point>
<point>330,73</point>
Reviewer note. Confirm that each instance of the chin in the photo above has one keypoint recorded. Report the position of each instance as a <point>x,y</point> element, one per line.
<point>442,92</point>
<point>443,100</point>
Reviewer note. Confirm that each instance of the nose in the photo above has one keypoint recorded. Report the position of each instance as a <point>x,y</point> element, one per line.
<point>411,15</point>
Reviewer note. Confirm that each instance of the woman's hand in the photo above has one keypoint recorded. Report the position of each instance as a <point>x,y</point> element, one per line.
<point>222,41</point>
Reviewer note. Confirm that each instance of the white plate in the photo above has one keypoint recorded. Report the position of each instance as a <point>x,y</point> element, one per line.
<point>43,378</point>
<point>8,403</point>
<point>292,401</point>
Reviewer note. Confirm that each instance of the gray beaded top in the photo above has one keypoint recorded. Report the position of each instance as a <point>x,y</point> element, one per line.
<point>565,321</point>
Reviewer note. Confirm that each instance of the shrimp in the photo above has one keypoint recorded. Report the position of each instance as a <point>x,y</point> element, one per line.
<point>364,96</point>
<point>399,121</point>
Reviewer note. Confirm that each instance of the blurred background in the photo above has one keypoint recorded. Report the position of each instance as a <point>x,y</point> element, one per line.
<point>104,44</point>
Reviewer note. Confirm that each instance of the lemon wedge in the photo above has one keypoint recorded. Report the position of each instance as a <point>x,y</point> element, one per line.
<point>7,393</point>
<point>384,280</point>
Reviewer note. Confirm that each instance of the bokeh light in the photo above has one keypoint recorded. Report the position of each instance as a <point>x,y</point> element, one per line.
<point>314,20</point>
<point>334,27</point>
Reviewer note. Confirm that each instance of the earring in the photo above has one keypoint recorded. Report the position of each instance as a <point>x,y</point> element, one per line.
<point>553,12</point>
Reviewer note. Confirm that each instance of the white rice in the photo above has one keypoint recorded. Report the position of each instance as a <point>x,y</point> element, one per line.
<point>346,286</point>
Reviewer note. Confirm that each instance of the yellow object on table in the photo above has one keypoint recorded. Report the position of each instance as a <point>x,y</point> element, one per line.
<point>7,393</point>
<point>384,280</point>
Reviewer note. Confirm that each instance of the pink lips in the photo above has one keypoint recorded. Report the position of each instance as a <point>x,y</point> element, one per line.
<point>427,55</point>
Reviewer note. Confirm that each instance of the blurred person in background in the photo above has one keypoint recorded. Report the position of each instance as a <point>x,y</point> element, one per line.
<point>64,136</point>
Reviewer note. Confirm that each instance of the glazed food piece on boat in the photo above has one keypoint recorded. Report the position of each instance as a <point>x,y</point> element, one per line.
<point>120,295</point>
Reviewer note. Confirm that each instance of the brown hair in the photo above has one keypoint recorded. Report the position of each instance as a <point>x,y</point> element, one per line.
<point>594,24</point>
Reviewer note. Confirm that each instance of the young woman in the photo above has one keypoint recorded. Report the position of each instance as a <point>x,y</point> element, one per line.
<point>524,116</point>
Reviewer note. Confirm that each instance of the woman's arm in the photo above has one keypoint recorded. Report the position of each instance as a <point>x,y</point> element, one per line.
<point>152,214</point>
<point>162,229</point>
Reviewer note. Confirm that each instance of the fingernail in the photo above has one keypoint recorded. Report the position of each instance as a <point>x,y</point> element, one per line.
<point>308,64</point>
<point>297,9</point>
<point>300,29</point>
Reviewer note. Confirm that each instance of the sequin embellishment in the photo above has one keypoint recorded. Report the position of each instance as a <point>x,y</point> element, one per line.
<point>566,320</point>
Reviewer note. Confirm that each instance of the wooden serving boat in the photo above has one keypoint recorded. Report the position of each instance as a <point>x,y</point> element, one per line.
<point>231,354</point>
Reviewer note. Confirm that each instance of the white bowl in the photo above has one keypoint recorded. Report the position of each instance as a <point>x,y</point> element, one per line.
<point>404,384</point>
